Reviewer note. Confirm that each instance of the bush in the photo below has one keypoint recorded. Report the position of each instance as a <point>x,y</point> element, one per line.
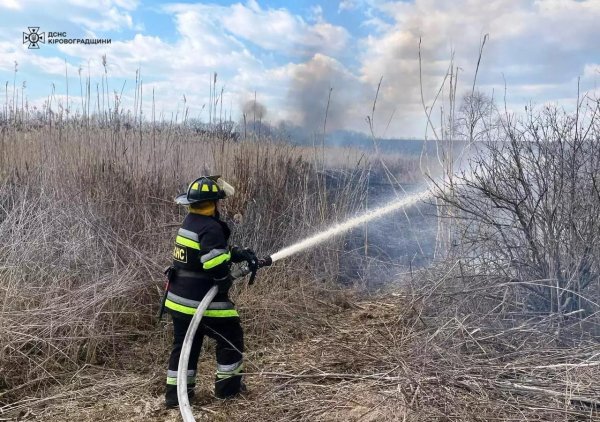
<point>527,204</point>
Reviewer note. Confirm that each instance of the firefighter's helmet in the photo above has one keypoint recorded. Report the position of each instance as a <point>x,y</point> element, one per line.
<point>205,188</point>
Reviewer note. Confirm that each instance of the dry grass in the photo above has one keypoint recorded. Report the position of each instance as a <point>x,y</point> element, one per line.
<point>86,223</point>
<point>351,358</point>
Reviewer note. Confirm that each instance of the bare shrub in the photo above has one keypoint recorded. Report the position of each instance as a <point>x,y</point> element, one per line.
<point>527,205</point>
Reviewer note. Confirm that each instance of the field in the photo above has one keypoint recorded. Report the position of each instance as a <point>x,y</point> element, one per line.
<point>86,225</point>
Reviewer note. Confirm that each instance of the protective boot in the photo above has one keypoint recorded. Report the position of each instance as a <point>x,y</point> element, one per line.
<point>171,400</point>
<point>191,392</point>
<point>229,387</point>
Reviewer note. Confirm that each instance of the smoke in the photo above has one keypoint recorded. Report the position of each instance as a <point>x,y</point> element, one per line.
<point>318,81</point>
<point>254,110</point>
<point>323,79</point>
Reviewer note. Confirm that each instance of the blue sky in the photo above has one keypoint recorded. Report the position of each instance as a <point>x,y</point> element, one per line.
<point>292,53</point>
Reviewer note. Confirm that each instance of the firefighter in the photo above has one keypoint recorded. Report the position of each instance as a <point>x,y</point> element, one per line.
<point>201,259</point>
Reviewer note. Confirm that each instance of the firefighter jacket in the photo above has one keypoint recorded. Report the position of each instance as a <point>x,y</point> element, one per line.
<point>201,258</point>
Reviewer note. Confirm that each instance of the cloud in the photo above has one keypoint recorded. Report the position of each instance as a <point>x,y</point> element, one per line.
<point>10,55</point>
<point>184,66</point>
<point>149,53</point>
<point>92,15</point>
<point>279,30</point>
<point>347,5</point>
<point>316,13</point>
<point>112,19</point>
<point>538,47</point>
<point>171,69</point>
<point>591,70</point>
<point>10,4</point>
<point>275,30</point>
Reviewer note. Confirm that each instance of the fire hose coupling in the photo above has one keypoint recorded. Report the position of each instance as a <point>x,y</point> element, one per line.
<point>251,268</point>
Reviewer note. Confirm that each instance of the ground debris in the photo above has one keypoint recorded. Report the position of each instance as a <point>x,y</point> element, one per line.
<point>371,361</point>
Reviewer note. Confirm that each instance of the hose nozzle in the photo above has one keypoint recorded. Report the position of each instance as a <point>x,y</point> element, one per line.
<point>251,268</point>
<point>255,265</point>
<point>265,262</point>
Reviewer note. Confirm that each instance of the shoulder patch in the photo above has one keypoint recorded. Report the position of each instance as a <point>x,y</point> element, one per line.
<point>180,254</point>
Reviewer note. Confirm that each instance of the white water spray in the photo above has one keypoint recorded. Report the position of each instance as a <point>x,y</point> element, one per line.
<point>350,224</point>
<point>184,403</point>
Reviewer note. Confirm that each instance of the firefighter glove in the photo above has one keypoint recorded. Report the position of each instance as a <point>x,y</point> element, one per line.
<point>240,255</point>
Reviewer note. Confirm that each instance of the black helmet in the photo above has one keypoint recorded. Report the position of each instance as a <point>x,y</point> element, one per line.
<point>204,188</point>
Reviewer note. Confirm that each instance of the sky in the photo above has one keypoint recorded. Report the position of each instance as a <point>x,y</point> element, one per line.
<point>298,56</point>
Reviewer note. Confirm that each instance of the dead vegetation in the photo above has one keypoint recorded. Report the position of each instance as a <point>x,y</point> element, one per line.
<point>86,223</point>
<point>338,357</point>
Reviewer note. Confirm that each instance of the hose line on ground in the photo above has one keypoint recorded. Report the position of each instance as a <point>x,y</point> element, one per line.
<point>252,267</point>
<point>184,357</point>
<point>182,394</point>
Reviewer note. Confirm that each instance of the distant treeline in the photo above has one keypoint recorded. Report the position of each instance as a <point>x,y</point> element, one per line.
<point>225,129</point>
<point>302,136</point>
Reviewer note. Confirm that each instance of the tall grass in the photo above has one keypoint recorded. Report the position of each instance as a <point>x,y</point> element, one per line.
<point>87,221</point>
<point>86,225</point>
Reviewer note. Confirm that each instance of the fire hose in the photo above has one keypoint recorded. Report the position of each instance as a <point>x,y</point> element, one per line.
<point>182,394</point>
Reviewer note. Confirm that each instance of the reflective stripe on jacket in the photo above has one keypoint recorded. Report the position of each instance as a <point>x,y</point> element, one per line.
<point>216,309</point>
<point>201,256</point>
<point>201,245</point>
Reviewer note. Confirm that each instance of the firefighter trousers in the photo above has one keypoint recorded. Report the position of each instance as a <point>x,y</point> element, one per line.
<point>228,334</point>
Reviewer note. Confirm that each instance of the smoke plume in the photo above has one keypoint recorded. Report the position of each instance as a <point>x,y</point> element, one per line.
<point>312,84</point>
<point>254,110</point>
